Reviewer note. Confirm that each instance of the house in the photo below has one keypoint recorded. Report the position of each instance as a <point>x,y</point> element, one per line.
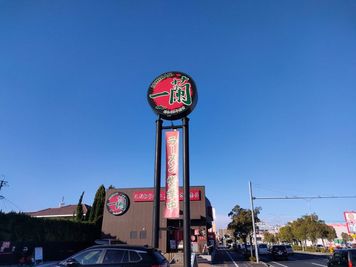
<point>62,212</point>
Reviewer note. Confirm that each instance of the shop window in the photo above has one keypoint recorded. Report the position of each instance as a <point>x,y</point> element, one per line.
<point>143,234</point>
<point>133,235</point>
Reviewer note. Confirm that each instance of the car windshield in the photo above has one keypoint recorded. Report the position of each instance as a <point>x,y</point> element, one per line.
<point>288,246</point>
<point>88,257</point>
<point>262,246</point>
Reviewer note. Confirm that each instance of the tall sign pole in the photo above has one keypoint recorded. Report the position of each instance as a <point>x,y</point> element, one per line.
<point>186,186</point>
<point>173,96</point>
<point>157,184</point>
<point>253,222</point>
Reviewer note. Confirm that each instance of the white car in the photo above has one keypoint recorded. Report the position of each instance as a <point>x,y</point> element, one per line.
<point>262,249</point>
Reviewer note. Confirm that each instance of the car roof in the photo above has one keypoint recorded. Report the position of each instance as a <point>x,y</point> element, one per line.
<point>123,246</point>
<point>345,249</point>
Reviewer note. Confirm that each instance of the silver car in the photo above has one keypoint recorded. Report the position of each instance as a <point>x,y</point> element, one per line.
<point>262,249</point>
<point>289,249</point>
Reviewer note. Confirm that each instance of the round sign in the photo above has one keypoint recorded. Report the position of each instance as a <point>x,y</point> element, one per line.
<point>172,95</point>
<point>118,203</point>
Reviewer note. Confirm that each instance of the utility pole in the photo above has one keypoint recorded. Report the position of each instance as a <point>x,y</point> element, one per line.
<point>3,182</point>
<point>253,223</point>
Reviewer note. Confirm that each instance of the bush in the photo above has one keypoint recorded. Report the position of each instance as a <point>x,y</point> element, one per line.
<point>19,227</point>
<point>297,248</point>
<point>310,249</point>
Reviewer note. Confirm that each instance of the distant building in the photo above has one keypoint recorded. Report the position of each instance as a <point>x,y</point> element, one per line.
<point>62,212</point>
<point>224,232</point>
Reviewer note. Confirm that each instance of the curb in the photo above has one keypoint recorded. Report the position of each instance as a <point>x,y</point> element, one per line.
<point>314,253</point>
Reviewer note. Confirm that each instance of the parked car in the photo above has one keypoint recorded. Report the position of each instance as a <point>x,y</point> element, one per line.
<point>289,250</point>
<point>262,249</point>
<point>116,255</point>
<point>343,258</point>
<point>279,252</point>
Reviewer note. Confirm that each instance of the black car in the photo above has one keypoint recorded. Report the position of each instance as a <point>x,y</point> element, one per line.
<point>279,252</point>
<point>343,258</point>
<point>118,256</point>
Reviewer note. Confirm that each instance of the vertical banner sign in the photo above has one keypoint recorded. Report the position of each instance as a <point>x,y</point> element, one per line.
<point>172,181</point>
<point>350,218</point>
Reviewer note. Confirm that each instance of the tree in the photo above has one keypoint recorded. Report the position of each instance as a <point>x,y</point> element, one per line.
<point>241,222</point>
<point>79,213</point>
<point>97,210</point>
<point>285,234</point>
<point>326,232</point>
<point>306,228</point>
<point>269,238</point>
<point>346,237</point>
<point>309,227</point>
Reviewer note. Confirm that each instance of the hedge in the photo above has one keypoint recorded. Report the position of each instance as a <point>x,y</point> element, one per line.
<point>19,227</point>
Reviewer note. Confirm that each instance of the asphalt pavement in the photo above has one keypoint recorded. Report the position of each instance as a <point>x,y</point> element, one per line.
<point>226,257</point>
<point>298,260</point>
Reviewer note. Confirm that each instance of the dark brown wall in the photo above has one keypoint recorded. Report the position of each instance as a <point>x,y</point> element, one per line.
<point>139,218</point>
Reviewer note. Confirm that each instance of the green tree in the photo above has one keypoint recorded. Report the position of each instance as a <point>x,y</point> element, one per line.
<point>326,232</point>
<point>79,212</point>
<point>97,209</point>
<point>309,227</point>
<point>269,238</point>
<point>285,234</point>
<point>346,237</point>
<point>241,222</point>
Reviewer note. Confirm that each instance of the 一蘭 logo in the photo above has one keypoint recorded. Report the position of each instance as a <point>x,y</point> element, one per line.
<point>172,95</point>
<point>117,203</point>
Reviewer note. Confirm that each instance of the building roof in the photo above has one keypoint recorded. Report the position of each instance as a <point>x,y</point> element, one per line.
<point>64,211</point>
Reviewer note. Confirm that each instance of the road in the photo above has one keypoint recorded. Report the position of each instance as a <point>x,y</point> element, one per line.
<point>226,257</point>
<point>298,260</point>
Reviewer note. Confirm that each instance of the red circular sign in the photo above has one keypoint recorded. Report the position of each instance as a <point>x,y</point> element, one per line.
<point>172,95</point>
<point>118,203</point>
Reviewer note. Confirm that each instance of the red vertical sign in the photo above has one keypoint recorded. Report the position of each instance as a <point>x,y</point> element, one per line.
<point>172,181</point>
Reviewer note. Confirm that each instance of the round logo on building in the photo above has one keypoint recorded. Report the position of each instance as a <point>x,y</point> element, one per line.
<point>117,203</point>
<point>172,95</point>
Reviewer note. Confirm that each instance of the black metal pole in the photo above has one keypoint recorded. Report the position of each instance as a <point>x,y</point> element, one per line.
<point>157,185</point>
<point>186,189</point>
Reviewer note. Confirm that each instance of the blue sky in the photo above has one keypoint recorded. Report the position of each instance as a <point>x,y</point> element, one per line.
<point>276,82</point>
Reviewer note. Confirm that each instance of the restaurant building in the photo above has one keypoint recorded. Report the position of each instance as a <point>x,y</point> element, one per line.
<point>128,216</point>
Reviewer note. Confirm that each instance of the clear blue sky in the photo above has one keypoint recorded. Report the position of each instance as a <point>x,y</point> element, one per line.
<point>277,95</point>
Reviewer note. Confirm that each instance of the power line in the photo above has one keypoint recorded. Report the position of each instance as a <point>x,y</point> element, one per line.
<point>13,204</point>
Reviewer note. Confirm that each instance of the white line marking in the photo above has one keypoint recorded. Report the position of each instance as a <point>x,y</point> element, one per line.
<point>280,264</point>
<point>317,264</point>
<point>267,264</point>
<point>231,258</point>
